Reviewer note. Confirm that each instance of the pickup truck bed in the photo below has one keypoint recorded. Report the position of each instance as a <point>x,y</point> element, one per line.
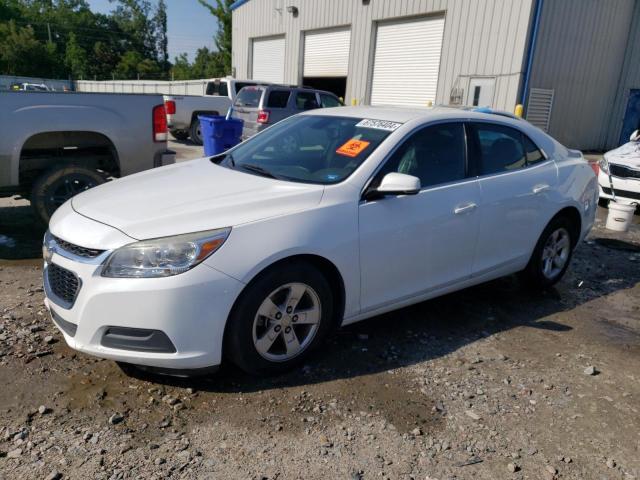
<point>55,144</point>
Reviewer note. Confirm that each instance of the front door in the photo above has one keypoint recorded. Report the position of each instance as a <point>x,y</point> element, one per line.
<point>413,244</point>
<point>517,184</point>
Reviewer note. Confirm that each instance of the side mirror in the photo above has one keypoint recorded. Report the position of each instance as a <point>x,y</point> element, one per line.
<point>635,136</point>
<point>395,184</point>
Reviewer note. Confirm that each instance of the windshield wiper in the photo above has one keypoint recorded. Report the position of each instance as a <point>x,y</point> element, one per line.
<point>257,169</point>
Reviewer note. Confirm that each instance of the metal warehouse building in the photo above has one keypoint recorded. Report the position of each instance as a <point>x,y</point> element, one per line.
<point>574,64</point>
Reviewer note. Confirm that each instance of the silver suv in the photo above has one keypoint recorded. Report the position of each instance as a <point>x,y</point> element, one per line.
<point>263,105</point>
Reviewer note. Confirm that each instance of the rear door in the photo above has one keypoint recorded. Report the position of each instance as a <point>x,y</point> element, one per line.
<point>517,184</point>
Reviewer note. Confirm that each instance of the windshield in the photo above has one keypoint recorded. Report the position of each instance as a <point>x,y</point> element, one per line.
<point>310,148</point>
<point>249,97</point>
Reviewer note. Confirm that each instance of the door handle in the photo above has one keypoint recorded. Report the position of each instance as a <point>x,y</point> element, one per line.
<point>464,208</point>
<point>540,188</point>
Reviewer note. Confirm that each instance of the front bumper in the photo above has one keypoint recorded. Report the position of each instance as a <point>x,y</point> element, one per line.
<point>191,309</point>
<point>625,189</point>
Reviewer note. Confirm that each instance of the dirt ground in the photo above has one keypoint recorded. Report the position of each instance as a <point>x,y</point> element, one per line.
<point>493,382</point>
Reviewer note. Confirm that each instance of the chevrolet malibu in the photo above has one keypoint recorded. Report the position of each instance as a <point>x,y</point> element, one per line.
<point>322,220</point>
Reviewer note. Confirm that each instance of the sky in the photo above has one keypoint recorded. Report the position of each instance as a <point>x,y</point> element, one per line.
<point>189,25</point>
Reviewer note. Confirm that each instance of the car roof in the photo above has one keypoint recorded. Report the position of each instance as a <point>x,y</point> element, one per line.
<point>407,114</point>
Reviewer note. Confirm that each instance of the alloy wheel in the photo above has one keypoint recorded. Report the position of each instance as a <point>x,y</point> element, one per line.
<point>555,253</point>
<point>286,322</point>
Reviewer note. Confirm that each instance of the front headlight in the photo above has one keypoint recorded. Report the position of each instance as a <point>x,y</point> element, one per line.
<point>604,165</point>
<point>164,257</point>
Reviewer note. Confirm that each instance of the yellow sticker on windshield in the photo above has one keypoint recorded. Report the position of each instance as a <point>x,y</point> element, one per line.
<point>352,148</point>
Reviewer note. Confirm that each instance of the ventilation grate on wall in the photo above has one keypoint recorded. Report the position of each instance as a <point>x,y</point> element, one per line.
<point>539,107</point>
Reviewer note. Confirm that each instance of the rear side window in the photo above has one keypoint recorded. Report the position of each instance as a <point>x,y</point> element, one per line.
<point>211,89</point>
<point>306,101</point>
<point>249,97</point>
<point>278,99</point>
<point>223,89</point>
<point>328,101</point>
<point>498,148</point>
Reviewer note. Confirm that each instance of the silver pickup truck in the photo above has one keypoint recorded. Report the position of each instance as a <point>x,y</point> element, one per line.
<point>54,145</point>
<point>183,110</point>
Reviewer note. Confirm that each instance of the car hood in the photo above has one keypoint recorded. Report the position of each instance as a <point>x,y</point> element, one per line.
<point>191,197</point>
<point>627,155</point>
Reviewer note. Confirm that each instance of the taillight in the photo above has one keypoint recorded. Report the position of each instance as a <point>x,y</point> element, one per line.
<point>170,107</point>
<point>159,124</point>
<point>263,116</point>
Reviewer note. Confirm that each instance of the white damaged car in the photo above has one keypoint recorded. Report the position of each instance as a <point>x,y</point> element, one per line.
<point>620,168</point>
<point>324,219</point>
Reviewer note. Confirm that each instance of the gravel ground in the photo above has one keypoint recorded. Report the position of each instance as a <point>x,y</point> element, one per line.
<point>489,383</point>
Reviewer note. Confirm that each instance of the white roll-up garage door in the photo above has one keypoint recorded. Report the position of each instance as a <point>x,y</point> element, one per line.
<point>326,54</point>
<point>407,60</point>
<point>268,59</point>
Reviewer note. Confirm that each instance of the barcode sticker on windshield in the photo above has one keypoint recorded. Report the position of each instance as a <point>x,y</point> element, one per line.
<point>378,124</point>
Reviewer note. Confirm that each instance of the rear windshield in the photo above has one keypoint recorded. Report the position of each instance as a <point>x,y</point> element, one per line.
<point>310,149</point>
<point>249,97</point>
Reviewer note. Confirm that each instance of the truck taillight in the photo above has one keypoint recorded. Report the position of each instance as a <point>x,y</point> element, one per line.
<point>170,107</point>
<point>263,116</point>
<point>159,124</point>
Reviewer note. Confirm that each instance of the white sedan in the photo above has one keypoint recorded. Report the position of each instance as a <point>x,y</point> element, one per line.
<point>322,220</point>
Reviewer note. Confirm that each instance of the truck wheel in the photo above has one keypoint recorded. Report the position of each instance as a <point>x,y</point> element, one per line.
<point>180,134</point>
<point>194,132</point>
<point>56,186</point>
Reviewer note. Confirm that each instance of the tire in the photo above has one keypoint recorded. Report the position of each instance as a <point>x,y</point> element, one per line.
<point>265,346</point>
<point>194,131</point>
<point>56,186</point>
<point>545,267</point>
<point>180,135</point>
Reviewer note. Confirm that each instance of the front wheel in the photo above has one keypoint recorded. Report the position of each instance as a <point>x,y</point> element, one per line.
<point>552,254</point>
<point>279,319</point>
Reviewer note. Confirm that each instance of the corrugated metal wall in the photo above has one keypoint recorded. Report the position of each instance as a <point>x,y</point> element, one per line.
<point>481,38</point>
<point>630,78</point>
<point>580,54</point>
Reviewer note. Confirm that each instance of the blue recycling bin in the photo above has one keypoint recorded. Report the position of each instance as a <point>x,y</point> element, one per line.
<point>219,134</point>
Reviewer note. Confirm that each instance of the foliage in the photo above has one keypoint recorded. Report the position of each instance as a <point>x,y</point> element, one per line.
<point>222,11</point>
<point>64,38</point>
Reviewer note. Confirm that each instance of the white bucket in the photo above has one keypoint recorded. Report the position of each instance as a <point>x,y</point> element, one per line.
<point>619,216</point>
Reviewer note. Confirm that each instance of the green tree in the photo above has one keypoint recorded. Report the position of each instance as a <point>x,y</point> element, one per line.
<point>222,11</point>
<point>127,67</point>
<point>162,41</point>
<point>75,58</point>
<point>21,53</point>
<point>181,69</point>
<point>208,64</point>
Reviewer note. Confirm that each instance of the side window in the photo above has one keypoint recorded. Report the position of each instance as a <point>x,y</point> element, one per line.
<point>327,101</point>
<point>223,90</point>
<point>534,155</point>
<point>306,100</point>
<point>211,89</point>
<point>434,154</point>
<point>498,148</point>
<point>278,99</point>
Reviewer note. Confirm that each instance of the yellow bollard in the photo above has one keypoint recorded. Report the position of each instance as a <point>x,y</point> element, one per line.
<point>519,110</point>
<point>429,103</point>
<point>354,102</point>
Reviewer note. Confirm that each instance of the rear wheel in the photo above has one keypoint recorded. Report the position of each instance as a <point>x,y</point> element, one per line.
<point>552,254</point>
<point>195,132</point>
<point>58,185</point>
<point>180,134</point>
<point>280,319</point>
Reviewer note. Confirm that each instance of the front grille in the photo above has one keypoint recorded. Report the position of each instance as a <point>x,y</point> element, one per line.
<point>63,283</point>
<point>622,193</point>
<point>622,171</point>
<point>76,249</point>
